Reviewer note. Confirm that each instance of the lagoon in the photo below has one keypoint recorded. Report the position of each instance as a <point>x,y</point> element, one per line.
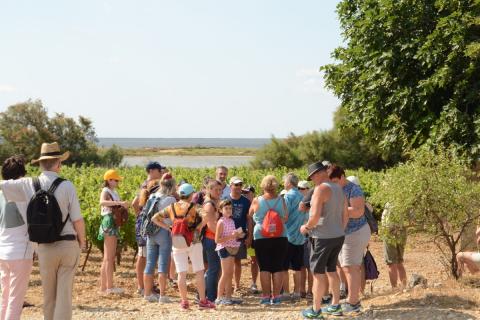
<point>189,161</point>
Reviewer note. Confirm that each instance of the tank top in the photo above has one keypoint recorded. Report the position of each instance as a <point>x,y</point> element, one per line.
<point>209,234</point>
<point>228,228</point>
<point>115,197</point>
<point>330,224</point>
<point>262,211</point>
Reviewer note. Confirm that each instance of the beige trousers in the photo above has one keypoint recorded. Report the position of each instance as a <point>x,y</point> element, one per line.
<point>58,264</point>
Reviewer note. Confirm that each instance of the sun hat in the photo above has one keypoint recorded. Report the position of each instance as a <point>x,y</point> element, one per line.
<point>51,151</point>
<point>235,180</point>
<point>111,175</point>
<point>314,168</point>
<point>354,179</point>
<point>186,189</point>
<point>304,184</point>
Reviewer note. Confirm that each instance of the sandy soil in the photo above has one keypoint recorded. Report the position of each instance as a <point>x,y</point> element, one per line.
<point>441,299</point>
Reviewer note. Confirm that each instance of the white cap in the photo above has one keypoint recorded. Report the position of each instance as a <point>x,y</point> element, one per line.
<point>304,184</point>
<point>354,179</point>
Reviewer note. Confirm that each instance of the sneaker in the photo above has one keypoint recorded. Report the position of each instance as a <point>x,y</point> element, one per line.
<point>151,298</point>
<point>309,296</point>
<point>351,308</point>
<point>296,296</point>
<point>277,301</point>
<point>327,300</point>
<point>312,314</point>
<point>285,297</point>
<point>334,310</point>
<point>236,301</point>
<point>184,305</point>
<point>265,301</point>
<point>226,302</point>
<point>343,294</point>
<point>163,299</point>
<point>140,291</point>
<point>114,291</point>
<point>254,289</point>
<point>206,304</point>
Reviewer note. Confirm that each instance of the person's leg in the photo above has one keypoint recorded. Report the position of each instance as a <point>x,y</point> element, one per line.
<point>195,253</point>
<point>49,261</point>
<point>278,281</point>
<point>164,256</point>
<point>182,285</point>
<point>334,285</point>
<point>110,249</point>
<point>70,255</point>
<point>297,276</point>
<point>211,275</point>
<point>393,274</point>
<point>238,272</point>
<point>285,283</point>
<point>266,282</point>
<point>149,271</point>
<point>254,269</point>
<point>180,257</point>
<point>310,280</point>
<point>140,268</point>
<point>319,287</point>
<point>402,274</point>
<point>19,278</point>
<point>353,274</point>
<point>227,276</point>
<point>5,284</point>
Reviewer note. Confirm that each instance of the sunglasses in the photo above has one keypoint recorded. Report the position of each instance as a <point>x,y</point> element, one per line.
<point>238,184</point>
<point>302,189</point>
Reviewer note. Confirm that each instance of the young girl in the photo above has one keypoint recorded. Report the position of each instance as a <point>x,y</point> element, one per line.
<point>109,231</point>
<point>227,245</point>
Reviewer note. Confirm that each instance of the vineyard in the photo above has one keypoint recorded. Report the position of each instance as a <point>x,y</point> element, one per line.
<point>88,181</point>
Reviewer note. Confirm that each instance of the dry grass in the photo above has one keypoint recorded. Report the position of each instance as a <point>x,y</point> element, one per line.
<point>442,299</point>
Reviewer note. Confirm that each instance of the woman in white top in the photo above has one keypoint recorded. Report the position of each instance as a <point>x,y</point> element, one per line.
<point>16,250</point>
<point>109,231</point>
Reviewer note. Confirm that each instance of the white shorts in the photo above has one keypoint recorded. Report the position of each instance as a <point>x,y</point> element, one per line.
<point>476,258</point>
<point>194,252</point>
<point>142,251</point>
<point>354,247</point>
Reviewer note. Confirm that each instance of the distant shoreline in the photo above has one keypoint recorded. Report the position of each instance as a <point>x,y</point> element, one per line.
<point>184,143</point>
<point>189,151</point>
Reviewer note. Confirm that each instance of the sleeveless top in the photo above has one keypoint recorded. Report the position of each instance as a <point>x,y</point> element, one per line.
<point>228,228</point>
<point>114,195</point>
<point>209,234</point>
<point>262,211</point>
<point>330,224</point>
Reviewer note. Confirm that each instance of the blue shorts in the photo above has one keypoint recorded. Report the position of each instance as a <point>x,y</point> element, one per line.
<point>223,254</point>
<point>159,250</point>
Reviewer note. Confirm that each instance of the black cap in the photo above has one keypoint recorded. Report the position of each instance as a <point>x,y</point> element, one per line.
<point>308,197</point>
<point>152,165</point>
<point>315,167</point>
<point>249,188</point>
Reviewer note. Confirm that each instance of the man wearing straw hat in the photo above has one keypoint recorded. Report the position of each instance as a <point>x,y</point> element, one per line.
<point>58,260</point>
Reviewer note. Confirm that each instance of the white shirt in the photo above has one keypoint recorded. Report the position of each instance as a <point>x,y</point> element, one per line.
<point>22,190</point>
<point>115,197</point>
<point>14,241</point>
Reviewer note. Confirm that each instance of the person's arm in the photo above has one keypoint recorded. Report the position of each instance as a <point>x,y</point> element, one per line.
<point>106,200</point>
<point>345,213</point>
<point>219,232</point>
<point>321,195</point>
<point>250,222</point>
<point>136,205</point>
<point>159,217</point>
<point>357,207</point>
<point>79,227</point>
<point>285,209</point>
<point>209,216</point>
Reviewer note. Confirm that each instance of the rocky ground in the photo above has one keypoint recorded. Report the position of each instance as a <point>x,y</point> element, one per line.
<point>442,298</point>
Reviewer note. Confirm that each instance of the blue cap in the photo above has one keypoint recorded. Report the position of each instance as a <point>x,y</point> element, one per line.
<point>186,189</point>
<point>154,165</point>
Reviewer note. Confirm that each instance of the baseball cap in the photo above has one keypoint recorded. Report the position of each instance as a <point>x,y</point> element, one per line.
<point>249,188</point>
<point>304,184</point>
<point>235,180</point>
<point>186,189</point>
<point>154,165</point>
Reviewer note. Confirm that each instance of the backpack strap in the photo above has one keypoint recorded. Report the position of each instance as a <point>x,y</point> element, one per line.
<point>276,202</point>
<point>55,185</point>
<point>36,184</point>
<point>172,206</point>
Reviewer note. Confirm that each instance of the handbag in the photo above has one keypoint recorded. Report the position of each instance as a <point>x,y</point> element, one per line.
<point>119,213</point>
<point>372,222</point>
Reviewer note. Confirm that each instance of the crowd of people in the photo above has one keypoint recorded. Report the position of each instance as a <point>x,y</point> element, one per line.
<point>318,233</point>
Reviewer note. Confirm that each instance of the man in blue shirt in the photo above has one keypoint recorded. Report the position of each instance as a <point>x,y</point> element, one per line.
<point>296,218</point>
<point>241,205</point>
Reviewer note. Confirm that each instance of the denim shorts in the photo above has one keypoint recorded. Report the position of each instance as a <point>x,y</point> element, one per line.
<point>159,249</point>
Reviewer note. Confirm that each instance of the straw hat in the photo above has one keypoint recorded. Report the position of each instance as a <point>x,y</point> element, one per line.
<point>51,151</point>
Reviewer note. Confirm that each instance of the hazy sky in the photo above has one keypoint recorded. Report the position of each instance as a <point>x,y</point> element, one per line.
<point>199,68</point>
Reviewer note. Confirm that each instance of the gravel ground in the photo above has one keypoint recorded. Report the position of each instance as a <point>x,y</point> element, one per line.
<point>441,299</point>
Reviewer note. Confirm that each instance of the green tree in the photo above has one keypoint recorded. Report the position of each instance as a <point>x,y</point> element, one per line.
<point>436,194</point>
<point>409,73</point>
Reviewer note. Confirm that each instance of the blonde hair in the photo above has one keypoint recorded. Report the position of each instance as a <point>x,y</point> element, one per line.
<point>168,186</point>
<point>269,184</point>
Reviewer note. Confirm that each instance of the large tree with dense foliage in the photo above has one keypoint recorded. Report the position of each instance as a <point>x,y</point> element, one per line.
<point>409,73</point>
<point>25,126</point>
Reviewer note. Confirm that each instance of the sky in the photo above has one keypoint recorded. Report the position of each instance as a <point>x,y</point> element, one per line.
<point>192,68</point>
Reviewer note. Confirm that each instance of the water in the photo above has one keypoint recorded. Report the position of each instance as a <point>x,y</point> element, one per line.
<point>189,161</point>
<point>183,142</point>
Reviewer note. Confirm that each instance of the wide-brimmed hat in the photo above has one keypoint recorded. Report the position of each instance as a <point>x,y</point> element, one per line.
<point>314,168</point>
<point>51,151</point>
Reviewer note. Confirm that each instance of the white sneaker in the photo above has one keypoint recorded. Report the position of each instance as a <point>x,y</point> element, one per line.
<point>114,291</point>
<point>151,298</point>
<point>164,299</point>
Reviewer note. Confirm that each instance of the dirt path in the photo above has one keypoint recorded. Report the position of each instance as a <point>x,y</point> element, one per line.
<point>442,299</point>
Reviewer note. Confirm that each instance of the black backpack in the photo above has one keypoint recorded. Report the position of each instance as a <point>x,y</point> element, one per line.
<point>44,217</point>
